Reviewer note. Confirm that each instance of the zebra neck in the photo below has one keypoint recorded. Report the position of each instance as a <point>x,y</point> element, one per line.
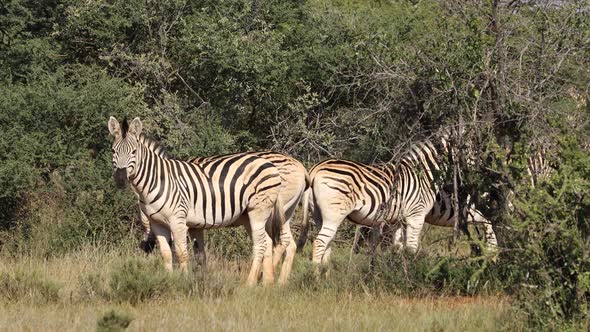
<point>147,173</point>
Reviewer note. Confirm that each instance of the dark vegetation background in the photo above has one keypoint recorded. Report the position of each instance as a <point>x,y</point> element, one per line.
<point>315,79</point>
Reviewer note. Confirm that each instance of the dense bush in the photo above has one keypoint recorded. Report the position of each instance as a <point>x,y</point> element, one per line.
<point>546,262</point>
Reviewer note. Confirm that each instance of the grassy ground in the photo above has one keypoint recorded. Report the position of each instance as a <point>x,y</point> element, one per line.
<point>271,310</point>
<point>75,291</point>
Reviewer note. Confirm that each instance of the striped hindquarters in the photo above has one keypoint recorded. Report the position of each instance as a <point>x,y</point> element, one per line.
<point>353,186</point>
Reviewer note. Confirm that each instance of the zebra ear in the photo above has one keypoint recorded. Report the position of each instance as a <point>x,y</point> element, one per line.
<point>135,127</point>
<point>114,127</point>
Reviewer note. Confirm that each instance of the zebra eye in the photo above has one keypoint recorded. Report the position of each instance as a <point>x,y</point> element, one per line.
<point>113,151</point>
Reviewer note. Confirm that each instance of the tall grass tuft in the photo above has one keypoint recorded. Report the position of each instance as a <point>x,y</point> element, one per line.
<point>28,286</point>
<point>136,280</point>
<point>398,274</point>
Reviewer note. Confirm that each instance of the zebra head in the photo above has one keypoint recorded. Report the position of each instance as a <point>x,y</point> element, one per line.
<point>124,148</point>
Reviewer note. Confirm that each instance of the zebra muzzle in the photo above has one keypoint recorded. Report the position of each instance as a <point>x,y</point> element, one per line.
<point>121,177</point>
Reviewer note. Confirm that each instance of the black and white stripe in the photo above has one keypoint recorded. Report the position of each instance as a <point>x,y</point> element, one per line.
<point>177,195</point>
<point>294,182</point>
<point>371,195</point>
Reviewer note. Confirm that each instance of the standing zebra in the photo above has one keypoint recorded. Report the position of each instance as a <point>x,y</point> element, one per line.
<point>363,193</point>
<point>294,182</point>
<point>177,196</point>
<point>443,214</point>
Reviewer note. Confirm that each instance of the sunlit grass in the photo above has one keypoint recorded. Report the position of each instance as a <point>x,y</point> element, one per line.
<point>216,300</point>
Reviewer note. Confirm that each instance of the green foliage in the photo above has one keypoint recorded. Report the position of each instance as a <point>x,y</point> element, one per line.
<point>113,321</point>
<point>140,280</point>
<point>547,264</point>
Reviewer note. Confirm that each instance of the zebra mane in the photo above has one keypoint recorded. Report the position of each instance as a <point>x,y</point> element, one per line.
<point>124,127</point>
<point>153,146</point>
<point>436,143</point>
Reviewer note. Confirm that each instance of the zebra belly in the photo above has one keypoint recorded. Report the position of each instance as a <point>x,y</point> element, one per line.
<point>360,217</point>
<point>196,220</point>
<point>156,213</point>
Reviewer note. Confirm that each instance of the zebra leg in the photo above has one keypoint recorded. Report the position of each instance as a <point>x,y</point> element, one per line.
<point>162,234</point>
<point>413,230</point>
<point>491,240</point>
<point>261,248</point>
<point>286,236</point>
<point>261,255</point>
<point>279,250</point>
<point>244,221</point>
<point>198,237</point>
<point>490,236</point>
<point>325,236</point>
<point>179,232</point>
<point>398,237</point>
<point>290,249</point>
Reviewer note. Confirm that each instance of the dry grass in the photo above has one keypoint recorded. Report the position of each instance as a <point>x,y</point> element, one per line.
<point>271,310</point>
<point>220,303</point>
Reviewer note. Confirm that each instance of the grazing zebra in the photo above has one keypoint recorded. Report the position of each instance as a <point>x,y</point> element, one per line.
<point>177,196</point>
<point>294,182</point>
<point>363,193</point>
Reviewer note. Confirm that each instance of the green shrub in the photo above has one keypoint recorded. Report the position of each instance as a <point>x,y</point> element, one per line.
<point>136,280</point>
<point>53,225</point>
<point>546,264</point>
<point>27,286</point>
<point>113,321</point>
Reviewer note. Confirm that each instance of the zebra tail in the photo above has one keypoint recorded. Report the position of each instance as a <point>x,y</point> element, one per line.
<point>275,223</point>
<point>307,180</point>
<point>305,221</point>
<point>148,244</point>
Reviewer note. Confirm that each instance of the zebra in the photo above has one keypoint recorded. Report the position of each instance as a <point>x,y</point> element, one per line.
<point>363,193</point>
<point>294,182</point>
<point>178,196</point>
<point>538,167</point>
<point>443,214</point>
